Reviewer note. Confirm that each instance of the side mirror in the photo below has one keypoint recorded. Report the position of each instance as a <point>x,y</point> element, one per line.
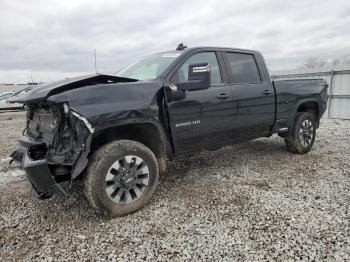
<point>198,77</point>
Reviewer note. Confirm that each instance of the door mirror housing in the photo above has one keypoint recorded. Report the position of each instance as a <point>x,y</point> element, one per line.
<point>198,77</point>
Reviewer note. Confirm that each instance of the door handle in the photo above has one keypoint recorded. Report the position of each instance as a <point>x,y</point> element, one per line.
<point>267,92</point>
<point>222,96</point>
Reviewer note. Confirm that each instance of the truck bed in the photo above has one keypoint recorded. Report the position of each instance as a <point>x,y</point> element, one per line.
<point>291,93</point>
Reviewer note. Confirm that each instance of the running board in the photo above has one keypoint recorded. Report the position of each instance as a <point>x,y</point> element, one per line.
<point>280,126</point>
<point>282,130</point>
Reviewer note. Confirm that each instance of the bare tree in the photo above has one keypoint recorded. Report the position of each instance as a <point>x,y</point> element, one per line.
<point>313,62</point>
<point>335,62</point>
<point>345,60</point>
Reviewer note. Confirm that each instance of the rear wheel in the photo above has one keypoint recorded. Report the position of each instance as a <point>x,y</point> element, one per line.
<point>121,178</point>
<point>303,133</point>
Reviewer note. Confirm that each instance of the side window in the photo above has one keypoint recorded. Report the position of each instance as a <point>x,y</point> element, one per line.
<point>243,68</point>
<point>210,58</point>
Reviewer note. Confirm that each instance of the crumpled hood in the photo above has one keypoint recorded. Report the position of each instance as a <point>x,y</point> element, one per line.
<point>42,92</point>
<point>100,98</point>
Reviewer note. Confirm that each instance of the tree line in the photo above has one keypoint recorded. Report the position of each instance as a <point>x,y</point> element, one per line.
<point>320,62</point>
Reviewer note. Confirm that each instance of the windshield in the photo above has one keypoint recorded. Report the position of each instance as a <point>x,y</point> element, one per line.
<point>149,67</point>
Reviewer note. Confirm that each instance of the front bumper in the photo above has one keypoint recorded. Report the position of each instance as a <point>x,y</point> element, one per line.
<point>37,171</point>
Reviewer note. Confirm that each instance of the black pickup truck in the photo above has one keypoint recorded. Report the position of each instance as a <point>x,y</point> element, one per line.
<point>119,132</point>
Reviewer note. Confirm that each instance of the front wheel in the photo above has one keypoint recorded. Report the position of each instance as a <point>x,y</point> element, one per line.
<point>121,178</point>
<point>303,133</point>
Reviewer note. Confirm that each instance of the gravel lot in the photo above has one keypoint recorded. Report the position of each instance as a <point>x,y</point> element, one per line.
<point>252,201</point>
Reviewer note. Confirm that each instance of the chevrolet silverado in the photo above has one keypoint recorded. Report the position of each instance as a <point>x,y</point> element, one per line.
<point>119,132</point>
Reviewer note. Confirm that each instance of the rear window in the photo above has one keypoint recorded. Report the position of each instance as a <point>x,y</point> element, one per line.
<point>243,68</point>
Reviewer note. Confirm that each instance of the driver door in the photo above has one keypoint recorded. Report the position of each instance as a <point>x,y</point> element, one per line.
<point>201,119</point>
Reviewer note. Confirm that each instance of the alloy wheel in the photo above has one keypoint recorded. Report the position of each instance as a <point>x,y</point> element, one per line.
<point>127,179</point>
<point>306,133</point>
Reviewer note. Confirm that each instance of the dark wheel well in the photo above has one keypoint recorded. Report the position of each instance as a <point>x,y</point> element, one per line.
<point>145,133</point>
<point>311,107</point>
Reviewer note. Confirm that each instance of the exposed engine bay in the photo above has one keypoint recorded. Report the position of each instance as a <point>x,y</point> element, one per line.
<point>60,135</point>
<point>56,140</point>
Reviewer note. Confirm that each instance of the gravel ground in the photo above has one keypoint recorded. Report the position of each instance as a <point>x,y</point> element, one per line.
<point>252,201</point>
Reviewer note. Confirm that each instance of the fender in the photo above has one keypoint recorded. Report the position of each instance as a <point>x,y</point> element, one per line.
<point>122,122</point>
<point>292,116</point>
<point>82,160</point>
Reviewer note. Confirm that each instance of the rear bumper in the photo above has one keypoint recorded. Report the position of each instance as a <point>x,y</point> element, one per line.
<point>37,171</point>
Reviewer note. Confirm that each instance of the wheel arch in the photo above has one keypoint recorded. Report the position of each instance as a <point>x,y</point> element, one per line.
<point>146,131</point>
<point>305,106</point>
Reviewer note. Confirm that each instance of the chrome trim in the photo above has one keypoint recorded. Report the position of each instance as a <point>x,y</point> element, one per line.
<point>86,122</point>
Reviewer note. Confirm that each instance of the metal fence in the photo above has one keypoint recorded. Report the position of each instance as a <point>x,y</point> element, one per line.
<point>338,79</point>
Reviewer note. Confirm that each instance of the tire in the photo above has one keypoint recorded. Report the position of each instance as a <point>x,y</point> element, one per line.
<point>303,133</point>
<point>115,184</point>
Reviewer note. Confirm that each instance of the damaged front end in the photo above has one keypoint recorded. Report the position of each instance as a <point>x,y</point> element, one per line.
<point>54,146</point>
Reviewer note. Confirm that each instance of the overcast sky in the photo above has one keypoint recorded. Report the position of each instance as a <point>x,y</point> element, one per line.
<point>51,39</point>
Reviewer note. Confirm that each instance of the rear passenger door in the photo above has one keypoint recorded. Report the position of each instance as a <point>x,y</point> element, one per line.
<point>254,98</point>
